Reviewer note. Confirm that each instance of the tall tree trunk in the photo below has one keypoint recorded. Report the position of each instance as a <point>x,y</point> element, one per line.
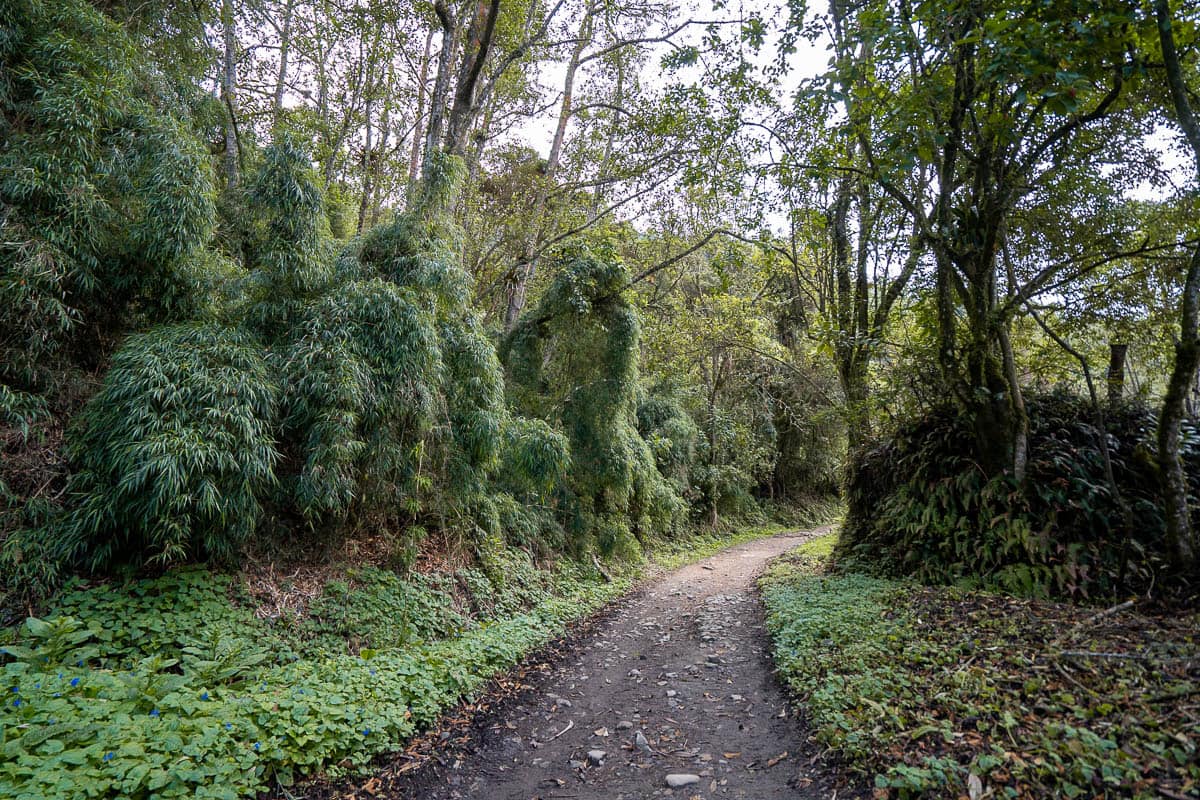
<point>466,106</point>
<point>1187,352</point>
<point>285,45</point>
<point>523,273</point>
<point>851,375</point>
<point>1020,448</point>
<point>414,159</point>
<point>441,86</point>
<point>365,201</point>
<point>229,92</point>
<point>376,168</point>
<point>618,101</point>
<point>1115,378</point>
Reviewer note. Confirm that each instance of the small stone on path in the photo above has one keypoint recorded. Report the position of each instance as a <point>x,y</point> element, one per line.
<point>680,780</point>
<point>596,757</point>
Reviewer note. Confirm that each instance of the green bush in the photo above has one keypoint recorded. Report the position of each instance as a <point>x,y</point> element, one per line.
<point>919,506</point>
<point>107,200</point>
<point>589,390</point>
<point>361,380</point>
<point>176,451</point>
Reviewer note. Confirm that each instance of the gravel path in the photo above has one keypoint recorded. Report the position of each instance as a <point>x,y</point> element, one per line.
<point>673,687</point>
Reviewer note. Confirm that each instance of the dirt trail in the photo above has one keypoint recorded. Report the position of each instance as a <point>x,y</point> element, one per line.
<point>683,663</point>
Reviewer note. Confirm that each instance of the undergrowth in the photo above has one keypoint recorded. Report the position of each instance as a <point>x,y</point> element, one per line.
<point>919,506</point>
<point>175,687</point>
<point>182,686</point>
<point>935,692</point>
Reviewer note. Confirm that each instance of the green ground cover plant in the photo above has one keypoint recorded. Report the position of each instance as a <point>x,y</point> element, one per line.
<point>174,686</point>
<point>934,692</point>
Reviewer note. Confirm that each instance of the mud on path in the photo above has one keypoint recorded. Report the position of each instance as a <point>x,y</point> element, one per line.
<point>676,680</point>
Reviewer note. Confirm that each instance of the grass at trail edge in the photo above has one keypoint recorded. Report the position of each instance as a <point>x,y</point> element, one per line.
<point>941,692</point>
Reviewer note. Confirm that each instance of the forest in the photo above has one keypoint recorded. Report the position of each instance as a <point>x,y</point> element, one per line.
<point>599,398</point>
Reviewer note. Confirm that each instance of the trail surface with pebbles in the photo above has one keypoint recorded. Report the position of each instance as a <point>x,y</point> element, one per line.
<point>670,695</point>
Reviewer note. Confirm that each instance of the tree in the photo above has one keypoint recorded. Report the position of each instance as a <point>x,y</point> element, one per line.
<point>1002,106</point>
<point>1187,348</point>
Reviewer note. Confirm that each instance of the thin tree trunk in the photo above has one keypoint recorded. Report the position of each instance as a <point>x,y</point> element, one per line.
<point>1187,351</point>
<point>414,159</point>
<point>376,170</point>
<point>1020,458</point>
<point>523,273</point>
<point>365,201</point>
<point>285,44</point>
<point>606,159</point>
<point>229,92</point>
<point>1115,378</point>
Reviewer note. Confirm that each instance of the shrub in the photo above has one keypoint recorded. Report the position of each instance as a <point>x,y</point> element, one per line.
<point>106,198</point>
<point>919,506</point>
<point>175,452</point>
<point>573,361</point>
<point>360,377</point>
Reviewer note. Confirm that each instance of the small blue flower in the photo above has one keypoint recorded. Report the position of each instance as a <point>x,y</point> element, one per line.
<point>16,689</point>
<point>52,722</point>
<point>228,726</point>
<point>109,756</point>
<point>60,676</point>
<point>155,713</point>
<point>371,671</point>
<point>301,691</point>
<point>366,731</point>
<point>74,681</point>
<point>17,703</point>
<point>204,696</point>
<point>79,663</point>
<point>256,747</point>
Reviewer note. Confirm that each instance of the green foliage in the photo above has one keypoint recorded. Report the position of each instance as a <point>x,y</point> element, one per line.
<point>175,452</point>
<point>919,506</point>
<point>107,200</point>
<point>291,253</point>
<point>918,689</point>
<point>386,393</point>
<point>360,381</point>
<point>672,435</point>
<point>536,457</point>
<point>573,362</point>
<point>164,688</point>
<point>377,609</point>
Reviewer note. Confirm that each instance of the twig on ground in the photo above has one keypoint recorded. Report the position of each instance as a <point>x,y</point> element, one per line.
<point>1093,619</point>
<point>570,724</point>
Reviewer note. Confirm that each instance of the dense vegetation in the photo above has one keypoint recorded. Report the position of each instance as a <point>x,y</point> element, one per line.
<point>346,290</point>
<point>1086,523</point>
<point>947,692</point>
<point>170,687</point>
